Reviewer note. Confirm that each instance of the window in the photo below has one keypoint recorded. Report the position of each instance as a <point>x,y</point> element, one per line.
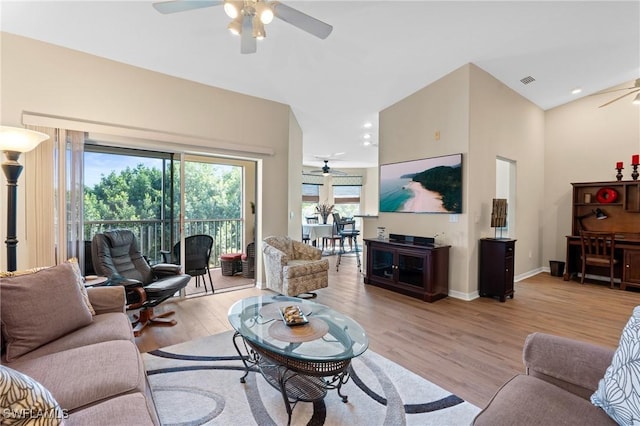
<point>347,199</point>
<point>310,198</point>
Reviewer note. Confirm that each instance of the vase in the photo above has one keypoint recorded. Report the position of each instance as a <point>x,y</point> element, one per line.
<point>324,219</point>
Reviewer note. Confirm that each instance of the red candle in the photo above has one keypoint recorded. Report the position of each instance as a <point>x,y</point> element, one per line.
<point>619,165</point>
<point>635,159</point>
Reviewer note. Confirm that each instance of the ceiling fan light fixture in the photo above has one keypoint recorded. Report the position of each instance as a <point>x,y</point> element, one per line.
<point>326,168</point>
<point>232,8</point>
<point>636,101</point>
<point>258,29</point>
<point>265,12</point>
<point>235,26</point>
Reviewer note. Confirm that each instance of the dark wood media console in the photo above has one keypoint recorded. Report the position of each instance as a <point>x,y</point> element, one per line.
<point>410,267</point>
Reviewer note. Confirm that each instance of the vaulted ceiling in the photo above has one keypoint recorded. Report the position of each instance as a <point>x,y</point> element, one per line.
<point>378,53</point>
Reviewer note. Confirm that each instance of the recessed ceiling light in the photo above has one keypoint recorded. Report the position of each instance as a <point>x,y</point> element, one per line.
<point>368,125</point>
<point>367,136</point>
<point>576,91</point>
<point>367,143</point>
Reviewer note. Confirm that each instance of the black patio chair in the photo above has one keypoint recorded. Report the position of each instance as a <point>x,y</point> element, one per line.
<point>196,260</point>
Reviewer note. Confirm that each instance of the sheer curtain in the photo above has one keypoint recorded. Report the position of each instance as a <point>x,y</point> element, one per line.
<point>74,213</point>
<point>54,198</point>
<point>40,210</point>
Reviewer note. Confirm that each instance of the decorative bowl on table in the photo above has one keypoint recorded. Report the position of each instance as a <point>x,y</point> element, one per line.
<point>292,315</point>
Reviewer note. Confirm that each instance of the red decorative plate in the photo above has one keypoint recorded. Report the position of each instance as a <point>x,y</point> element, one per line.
<point>607,195</point>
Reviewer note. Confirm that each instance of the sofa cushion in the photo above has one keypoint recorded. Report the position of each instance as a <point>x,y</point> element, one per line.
<point>618,392</point>
<point>105,327</point>
<point>89,374</point>
<point>40,307</point>
<point>301,268</point>
<point>25,401</point>
<point>526,400</point>
<point>128,409</point>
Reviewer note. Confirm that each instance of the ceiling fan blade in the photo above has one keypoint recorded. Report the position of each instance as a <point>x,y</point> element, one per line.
<point>184,5</point>
<point>636,85</point>
<point>611,91</point>
<point>248,43</point>
<point>619,97</point>
<point>301,20</point>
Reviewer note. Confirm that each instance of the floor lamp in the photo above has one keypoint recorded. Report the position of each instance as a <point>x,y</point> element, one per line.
<point>14,141</point>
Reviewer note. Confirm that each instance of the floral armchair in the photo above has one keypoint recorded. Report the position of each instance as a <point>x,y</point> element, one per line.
<point>294,268</point>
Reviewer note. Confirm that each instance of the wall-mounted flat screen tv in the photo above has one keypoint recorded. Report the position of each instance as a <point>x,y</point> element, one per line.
<point>430,185</point>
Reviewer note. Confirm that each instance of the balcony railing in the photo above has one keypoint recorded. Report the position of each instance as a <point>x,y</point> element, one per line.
<point>155,235</point>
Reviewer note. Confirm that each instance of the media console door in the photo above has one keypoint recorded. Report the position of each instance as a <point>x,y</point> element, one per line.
<point>414,270</point>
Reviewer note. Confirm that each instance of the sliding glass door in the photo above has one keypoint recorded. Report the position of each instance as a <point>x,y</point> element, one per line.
<point>146,192</point>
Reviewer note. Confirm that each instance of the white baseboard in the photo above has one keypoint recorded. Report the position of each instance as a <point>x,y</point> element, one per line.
<point>531,273</point>
<point>464,296</point>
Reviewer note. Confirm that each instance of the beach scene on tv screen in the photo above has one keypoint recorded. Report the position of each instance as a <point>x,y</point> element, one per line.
<point>430,185</point>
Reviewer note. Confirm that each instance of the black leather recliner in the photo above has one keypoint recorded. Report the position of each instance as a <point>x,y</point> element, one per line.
<point>116,255</point>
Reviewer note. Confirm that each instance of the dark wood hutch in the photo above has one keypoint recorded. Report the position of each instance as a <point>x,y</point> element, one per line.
<point>619,201</point>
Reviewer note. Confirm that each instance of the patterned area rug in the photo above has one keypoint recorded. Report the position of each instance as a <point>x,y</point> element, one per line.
<point>198,383</point>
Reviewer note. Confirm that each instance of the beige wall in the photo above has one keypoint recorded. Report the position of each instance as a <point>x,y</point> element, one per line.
<point>481,118</point>
<point>294,180</point>
<point>504,124</point>
<point>582,144</point>
<point>46,79</point>
<point>407,131</point>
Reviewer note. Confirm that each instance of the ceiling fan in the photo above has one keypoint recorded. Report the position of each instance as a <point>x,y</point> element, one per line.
<point>250,16</point>
<point>326,170</point>
<point>633,89</point>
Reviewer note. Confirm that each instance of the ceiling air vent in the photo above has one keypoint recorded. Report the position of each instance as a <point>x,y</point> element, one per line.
<point>527,80</point>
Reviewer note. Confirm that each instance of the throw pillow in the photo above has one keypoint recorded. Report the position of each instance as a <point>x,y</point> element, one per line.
<point>618,393</point>
<point>6,274</point>
<point>79,279</point>
<point>25,401</point>
<point>80,283</point>
<point>40,307</point>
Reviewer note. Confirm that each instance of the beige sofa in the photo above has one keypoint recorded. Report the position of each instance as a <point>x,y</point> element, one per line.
<point>95,371</point>
<point>561,375</point>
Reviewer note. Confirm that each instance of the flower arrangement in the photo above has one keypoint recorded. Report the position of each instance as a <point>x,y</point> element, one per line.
<point>324,210</point>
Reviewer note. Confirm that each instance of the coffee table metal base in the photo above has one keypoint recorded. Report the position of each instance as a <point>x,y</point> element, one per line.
<point>297,380</point>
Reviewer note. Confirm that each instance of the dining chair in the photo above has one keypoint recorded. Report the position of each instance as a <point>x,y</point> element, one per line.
<point>598,249</point>
<point>346,229</point>
<point>310,220</point>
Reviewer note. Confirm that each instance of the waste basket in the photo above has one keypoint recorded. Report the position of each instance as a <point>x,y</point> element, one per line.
<point>556,267</point>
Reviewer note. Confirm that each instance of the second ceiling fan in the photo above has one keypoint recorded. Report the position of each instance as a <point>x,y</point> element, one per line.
<point>250,16</point>
<point>326,170</point>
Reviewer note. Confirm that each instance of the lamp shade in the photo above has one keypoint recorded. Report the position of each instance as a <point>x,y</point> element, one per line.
<point>18,139</point>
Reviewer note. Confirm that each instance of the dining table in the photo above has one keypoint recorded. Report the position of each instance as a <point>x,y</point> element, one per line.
<point>317,231</point>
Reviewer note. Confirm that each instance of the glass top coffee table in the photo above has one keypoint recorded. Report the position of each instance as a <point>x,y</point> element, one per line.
<point>301,361</point>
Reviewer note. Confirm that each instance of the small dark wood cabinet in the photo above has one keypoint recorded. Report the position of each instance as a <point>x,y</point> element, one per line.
<point>417,270</point>
<point>631,268</point>
<point>497,262</point>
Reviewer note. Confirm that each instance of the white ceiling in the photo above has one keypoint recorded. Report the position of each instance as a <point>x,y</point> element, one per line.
<point>378,53</point>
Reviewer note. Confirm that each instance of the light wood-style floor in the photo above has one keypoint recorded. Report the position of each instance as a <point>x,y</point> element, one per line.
<point>468,348</point>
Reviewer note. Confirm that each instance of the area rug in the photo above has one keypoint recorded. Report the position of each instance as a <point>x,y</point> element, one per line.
<point>198,383</point>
